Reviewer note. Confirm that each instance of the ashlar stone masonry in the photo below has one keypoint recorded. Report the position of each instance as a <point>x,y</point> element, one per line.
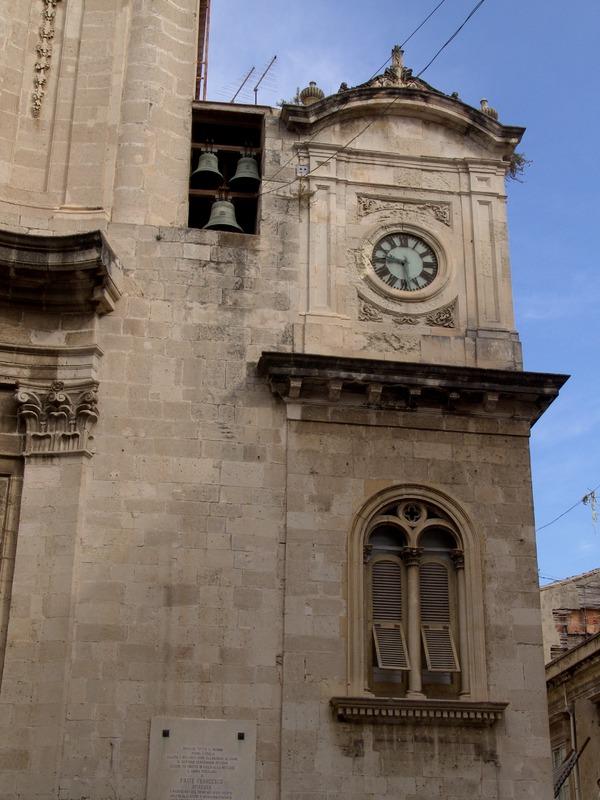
<point>210,440</point>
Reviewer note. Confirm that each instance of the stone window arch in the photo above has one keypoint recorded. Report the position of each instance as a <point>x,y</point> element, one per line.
<point>415,599</point>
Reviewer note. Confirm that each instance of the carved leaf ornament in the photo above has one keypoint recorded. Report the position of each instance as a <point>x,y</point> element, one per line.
<point>57,422</point>
<point>44,55</point>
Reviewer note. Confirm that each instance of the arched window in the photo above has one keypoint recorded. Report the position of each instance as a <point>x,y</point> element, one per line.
<point>412,632</point>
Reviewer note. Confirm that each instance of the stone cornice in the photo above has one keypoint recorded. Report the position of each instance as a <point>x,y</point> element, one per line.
<point>77,273</point>
<point>577,658</point>
<point>361,101</point>
<point>372,384</point>
<point>396,711</point>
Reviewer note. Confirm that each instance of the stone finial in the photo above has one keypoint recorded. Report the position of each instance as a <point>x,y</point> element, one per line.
<point>487,109</point>
<point>58,422</point>
<point>311,94</point>
<point>397,57</point>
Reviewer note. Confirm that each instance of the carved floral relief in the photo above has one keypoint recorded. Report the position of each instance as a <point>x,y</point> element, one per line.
<point>44,55</point>
<point>443,317</point>
<point>370,205</point>
<point>392,342</point>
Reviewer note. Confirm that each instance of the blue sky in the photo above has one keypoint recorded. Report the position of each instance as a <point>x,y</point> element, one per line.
<point>536,62</point>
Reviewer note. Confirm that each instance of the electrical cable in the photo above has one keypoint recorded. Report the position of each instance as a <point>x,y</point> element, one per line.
<point>385,110</point>
<point>454,35</point>
<point>374,75</point>
<point>548,578</point>
<point>564,513</point>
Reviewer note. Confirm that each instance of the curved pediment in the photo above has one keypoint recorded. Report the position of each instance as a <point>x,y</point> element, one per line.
<point>369,103</point>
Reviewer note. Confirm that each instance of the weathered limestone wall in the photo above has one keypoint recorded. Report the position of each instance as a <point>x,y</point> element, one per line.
<point>332,471</point>
<point>194,566</point>
<point>116,107</point>
<point>178,563</point>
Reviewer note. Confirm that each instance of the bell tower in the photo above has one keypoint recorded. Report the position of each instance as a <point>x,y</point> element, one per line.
<point>266,527</point>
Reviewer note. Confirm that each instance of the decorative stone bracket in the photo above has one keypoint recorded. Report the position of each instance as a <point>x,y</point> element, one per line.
<point>58,422</point>
<point>395,711</point>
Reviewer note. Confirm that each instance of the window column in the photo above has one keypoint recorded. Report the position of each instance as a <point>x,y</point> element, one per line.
<point>458,558</point>
<point>412,558</point>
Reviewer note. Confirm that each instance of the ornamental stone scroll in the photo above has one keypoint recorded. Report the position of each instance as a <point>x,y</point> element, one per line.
<point>58,422</point>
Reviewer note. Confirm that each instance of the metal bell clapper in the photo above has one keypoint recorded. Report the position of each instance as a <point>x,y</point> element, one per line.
<point>207,173</point>
<point>246,178</point>
<point>222,217</point>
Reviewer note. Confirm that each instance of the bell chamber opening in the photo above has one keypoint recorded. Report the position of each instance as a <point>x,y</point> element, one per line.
<point>225,168</point>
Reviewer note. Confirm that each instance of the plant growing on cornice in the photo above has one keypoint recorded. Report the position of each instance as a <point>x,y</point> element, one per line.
<point>517,165</point>
<point>295,101</point>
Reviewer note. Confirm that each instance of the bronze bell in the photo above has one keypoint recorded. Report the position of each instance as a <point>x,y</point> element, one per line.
<point>222,217</point>
<point>246,177</point>
<point>207,172</point>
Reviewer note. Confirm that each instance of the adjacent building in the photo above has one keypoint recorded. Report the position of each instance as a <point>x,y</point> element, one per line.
<point>570,612</point>
<point>573,680</point>
<point>265,484</point>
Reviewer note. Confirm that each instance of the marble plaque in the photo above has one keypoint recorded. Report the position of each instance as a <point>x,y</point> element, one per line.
<point>201,759</point>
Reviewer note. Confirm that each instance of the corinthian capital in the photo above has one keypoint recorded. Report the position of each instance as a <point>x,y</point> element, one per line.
<point>58,421</point>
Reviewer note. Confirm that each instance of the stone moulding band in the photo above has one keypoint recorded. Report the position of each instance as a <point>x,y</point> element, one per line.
<point>395,711</point>
<point>308,379</point>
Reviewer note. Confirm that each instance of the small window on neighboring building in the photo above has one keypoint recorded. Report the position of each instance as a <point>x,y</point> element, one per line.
<point>559,753</point>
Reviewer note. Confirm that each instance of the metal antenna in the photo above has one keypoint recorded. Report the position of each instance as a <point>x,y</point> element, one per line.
<point>243,83</point>
<point>271,62</point>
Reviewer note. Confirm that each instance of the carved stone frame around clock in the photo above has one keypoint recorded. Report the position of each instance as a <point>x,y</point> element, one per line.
<point>367,273</point>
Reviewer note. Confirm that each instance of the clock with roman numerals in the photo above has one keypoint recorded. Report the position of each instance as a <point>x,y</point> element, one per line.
<point>404,261</point>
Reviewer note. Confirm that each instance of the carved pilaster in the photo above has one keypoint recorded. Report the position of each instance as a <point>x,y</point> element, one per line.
<point>58,422</point>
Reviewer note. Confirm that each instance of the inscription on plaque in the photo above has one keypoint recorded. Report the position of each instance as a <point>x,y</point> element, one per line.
<point>194,759</point>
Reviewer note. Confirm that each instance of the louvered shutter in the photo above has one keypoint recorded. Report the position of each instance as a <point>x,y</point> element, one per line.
<point>386,598</point>
<point>438,642</point>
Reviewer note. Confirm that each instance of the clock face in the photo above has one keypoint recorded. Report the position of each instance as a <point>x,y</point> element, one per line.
<point>404,261</point>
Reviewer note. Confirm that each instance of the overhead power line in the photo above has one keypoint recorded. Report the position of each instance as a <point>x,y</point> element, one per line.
<point>454,35</point>
<point>385,110</point>
<point>587,498</point>
<point>374,75</point>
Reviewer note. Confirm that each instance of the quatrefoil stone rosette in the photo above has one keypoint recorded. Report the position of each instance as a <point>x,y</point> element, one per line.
<point>394,298</point>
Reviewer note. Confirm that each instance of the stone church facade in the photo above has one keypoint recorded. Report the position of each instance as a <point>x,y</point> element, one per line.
<point>276,476</point>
